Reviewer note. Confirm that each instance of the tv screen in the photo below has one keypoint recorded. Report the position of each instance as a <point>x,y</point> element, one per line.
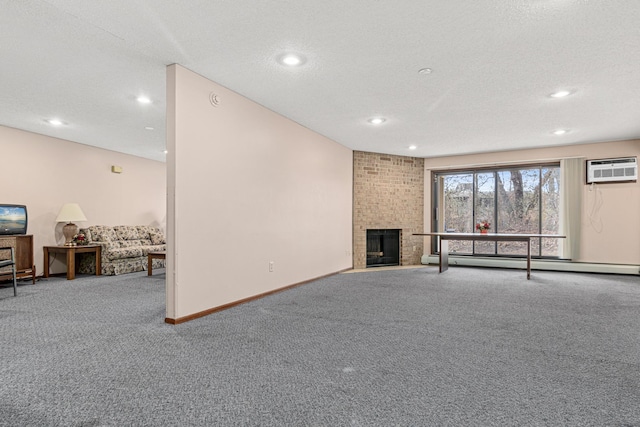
<point>13,219</point>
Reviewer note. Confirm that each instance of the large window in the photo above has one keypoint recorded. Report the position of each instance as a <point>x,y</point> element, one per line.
<point>513,200</point>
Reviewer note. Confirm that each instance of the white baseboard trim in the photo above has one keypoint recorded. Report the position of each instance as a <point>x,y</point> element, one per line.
<point>553,265</point>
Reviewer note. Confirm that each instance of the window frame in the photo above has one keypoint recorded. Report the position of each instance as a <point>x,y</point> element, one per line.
<point>437,192</point>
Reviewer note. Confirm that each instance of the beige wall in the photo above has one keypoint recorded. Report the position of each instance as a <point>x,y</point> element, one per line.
<point>247,187</point>
<point>611,212</point>
<point>44,173</point>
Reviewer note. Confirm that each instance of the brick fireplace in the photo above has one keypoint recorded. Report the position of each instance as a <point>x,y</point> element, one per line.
<point>388,194</point>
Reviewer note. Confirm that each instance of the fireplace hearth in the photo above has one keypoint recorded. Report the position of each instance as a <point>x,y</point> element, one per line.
<point>383,247</point>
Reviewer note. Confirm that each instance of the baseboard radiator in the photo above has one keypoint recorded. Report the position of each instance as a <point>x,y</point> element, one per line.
<point>552,265</point>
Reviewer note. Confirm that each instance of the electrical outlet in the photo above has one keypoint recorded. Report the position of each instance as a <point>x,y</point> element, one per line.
<point>271,266</point>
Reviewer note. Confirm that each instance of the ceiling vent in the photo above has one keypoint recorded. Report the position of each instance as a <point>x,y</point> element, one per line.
<point>612,170</point>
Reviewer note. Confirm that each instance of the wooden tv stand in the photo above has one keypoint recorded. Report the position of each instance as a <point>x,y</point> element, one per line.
<point>22,245</point>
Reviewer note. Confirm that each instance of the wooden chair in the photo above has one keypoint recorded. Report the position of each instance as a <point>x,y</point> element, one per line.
<point>11,262</point>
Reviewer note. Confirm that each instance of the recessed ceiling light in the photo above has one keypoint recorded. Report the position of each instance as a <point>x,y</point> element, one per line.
<point>377,120</point>
<point>560,94</point>
<point>560,132</point>
<point>165,151</point>
<point>412,147</point>
<point>148,128</point>
<point>425,71</point>
<point>143,100</point>
<point>292,59</point>
<point>55,122</point>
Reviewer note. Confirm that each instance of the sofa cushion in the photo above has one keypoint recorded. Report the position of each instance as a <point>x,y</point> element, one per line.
<point>126,232</point>
<point>157,237</point>
<point>122,253</point>
<point>143,231</point>
<point>101,233</point>
<point>130,243</point>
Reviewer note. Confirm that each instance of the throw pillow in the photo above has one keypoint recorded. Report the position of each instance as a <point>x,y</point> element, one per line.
<point>157,238</point>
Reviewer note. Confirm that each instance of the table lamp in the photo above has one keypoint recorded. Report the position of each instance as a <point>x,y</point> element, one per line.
<point>70,212</point>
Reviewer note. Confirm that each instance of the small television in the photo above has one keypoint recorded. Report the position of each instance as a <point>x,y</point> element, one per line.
<point>13,219</point>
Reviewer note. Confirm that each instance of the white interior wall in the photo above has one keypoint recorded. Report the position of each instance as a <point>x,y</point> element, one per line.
<point>248,187</point>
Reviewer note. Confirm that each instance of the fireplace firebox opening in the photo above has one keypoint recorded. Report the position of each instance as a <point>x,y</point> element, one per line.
<point>383,247</point>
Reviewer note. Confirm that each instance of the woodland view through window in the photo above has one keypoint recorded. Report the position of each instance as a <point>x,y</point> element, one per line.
<point>513,200</point>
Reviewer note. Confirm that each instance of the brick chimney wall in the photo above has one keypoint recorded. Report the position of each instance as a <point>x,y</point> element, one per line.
<point>388,193</point>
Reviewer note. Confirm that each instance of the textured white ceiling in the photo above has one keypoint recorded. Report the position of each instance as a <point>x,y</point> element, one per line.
<point>494,65</point>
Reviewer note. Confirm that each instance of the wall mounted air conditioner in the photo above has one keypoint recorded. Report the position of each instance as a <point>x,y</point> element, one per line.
<point>612,170</point>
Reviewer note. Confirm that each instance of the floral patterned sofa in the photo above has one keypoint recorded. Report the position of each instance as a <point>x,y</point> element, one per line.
<point>124,248</point>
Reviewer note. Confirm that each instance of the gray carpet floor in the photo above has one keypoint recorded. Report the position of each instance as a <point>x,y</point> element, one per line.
<point>470,347</point>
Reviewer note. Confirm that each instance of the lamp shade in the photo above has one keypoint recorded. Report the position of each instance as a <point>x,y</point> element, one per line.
<point>71,212</point>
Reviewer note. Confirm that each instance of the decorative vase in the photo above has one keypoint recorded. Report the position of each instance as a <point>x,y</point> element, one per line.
<point>484,231</point>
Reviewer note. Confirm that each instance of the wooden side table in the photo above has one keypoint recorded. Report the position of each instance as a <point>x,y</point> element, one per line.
<point>154,255</point>
<point>71,252</point>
